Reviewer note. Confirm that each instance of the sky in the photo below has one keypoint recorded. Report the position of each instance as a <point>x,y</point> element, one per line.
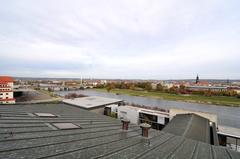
<point>124,39</point>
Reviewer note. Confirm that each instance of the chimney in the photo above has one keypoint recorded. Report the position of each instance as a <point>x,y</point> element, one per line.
<point>125,124</point>
<point>145,127</point>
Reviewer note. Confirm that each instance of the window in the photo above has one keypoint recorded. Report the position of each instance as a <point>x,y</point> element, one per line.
<point>65,126</point>
<point>46,115</point>
<point>6,93</point>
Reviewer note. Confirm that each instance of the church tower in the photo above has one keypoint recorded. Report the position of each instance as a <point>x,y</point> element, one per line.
<point>197,79</point>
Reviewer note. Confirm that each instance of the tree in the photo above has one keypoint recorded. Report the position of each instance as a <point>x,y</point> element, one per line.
<point>148,86</point>
<point>208,93</point>
<point>123,85</point>
<point>182,87</point>
<point>132,86</point>
<point>232,93</point>
<point>173,89</point>
<point>160,87</point>
<point>110,87</point>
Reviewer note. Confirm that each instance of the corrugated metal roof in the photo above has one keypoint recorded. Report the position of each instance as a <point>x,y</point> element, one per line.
<point>27,136</point>
<point>190,126</point>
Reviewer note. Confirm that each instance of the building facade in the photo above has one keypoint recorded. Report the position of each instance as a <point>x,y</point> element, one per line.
<point>6,90</point>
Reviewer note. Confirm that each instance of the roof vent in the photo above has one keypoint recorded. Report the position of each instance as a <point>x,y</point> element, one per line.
<point>46,115</point>
<point>66,126</point>
<point>145,127</point>
<point>125,124</point>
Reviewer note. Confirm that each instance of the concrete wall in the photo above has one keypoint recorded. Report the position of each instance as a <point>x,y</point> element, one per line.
<point>99,110</point>
<point>209,116</point>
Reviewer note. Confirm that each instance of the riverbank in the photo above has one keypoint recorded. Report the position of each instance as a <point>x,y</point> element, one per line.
<point>215,100</point>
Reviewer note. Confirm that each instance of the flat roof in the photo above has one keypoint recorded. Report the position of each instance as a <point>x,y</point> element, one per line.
<point>91,102</point>
<point>24,136</point>
<point>229,131</point>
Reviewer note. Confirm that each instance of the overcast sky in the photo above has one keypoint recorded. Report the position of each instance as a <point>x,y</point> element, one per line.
<point>148,39</point>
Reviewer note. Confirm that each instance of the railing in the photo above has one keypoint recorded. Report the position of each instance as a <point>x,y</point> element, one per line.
<point>237,147</point>
<point>230,141</point>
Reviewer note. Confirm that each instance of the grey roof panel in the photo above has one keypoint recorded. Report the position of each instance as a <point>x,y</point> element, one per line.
<point>186,149</point>
<point>165,150</point>
<point>190,126</point>
<point>27,136</point>
<point>139,150</point>
<point>220,153</point>
<point>203,151</point>
<point>233,154</point>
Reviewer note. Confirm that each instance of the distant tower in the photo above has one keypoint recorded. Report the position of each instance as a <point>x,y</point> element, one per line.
<point>228,81</point>
<point>197,79</point>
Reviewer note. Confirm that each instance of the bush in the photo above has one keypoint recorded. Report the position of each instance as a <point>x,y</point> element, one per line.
<point>113,115</point>
<point>74,95</point>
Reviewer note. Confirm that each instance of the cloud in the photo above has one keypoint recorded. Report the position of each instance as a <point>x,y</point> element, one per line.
<point>125,39</point>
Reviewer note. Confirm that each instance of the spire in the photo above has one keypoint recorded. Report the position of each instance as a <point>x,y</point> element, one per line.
<point>197,79</point>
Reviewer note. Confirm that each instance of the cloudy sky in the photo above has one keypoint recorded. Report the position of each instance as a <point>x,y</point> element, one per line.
<point>148,39</point>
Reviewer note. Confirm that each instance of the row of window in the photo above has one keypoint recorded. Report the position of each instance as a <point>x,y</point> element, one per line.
<point>2,98</point>
<point>4,102</point>
<point>2,94</point>
<point>6,89</point>
<point>4,85</point>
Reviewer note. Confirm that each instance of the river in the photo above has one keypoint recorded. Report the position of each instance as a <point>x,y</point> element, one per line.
<point>227,116</point>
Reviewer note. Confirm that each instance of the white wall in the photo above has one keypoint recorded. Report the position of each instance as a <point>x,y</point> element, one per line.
<point>7,95</point>
<point>128,113</point>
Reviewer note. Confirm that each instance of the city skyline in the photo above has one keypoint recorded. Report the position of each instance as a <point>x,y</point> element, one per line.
<point>120,39</point>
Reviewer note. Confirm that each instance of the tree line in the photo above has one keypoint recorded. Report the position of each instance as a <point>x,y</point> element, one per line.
<point>147,86</point>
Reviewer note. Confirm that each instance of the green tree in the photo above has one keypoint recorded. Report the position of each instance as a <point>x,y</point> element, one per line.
<point>148,86</point>
<point>110,86</point>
